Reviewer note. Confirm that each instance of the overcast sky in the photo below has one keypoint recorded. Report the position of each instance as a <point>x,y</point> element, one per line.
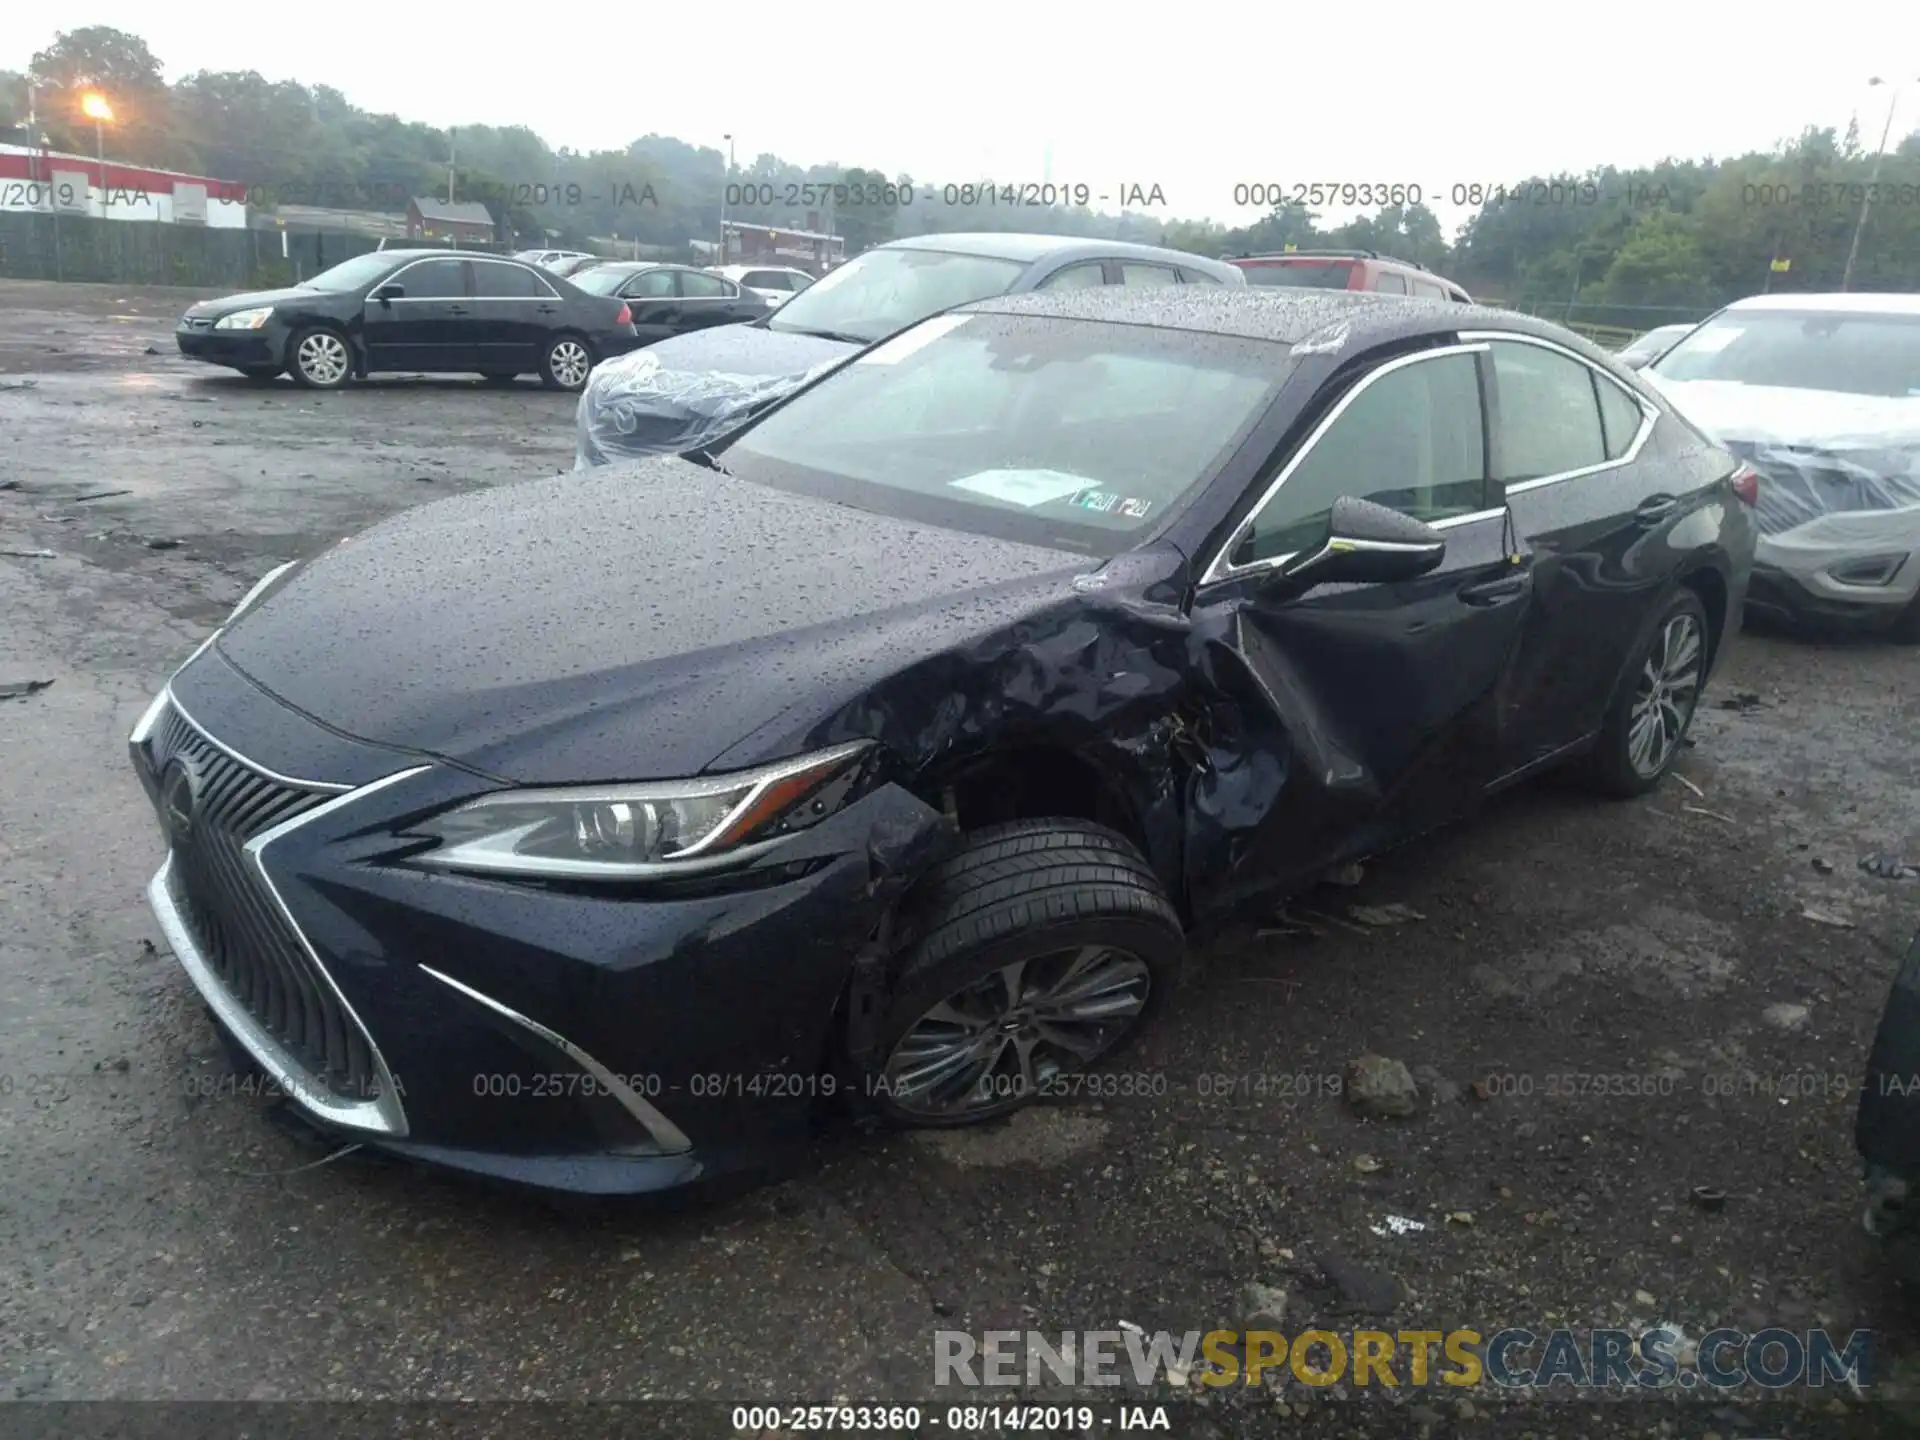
<point>1194,99</point>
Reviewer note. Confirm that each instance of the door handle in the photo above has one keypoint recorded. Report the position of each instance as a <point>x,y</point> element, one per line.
<point>458,310</point>
<point>547,309</point>
<point>1495,592</point>
<point>1654,509</point>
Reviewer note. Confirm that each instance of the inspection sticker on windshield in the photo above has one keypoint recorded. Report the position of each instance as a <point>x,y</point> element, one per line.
<point>922,335</point>
<point>1024,487</point>
<point>1106,502</point>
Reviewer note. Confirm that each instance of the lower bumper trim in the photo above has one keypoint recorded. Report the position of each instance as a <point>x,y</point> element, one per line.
<point>668,1136</point>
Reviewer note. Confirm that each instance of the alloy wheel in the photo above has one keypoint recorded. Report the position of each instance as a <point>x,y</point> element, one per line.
<point>322,358</point>
<point>1004,1037</point>
<point>1663,700</point>
<point>569,363</point>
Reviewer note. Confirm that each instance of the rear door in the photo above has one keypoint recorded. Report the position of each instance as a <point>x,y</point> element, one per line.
<point>1593,518</point>
<point>654,299</point>
<point>426,328</point>
<point>1373,710</point>
<point>707,300</point>
<point>513,308</point>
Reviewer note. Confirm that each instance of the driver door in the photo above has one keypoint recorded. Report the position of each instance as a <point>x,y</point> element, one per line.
<point>1362,712</point>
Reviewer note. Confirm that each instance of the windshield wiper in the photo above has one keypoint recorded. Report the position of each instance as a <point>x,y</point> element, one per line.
<point>705,457</point>
<point>840,335</point>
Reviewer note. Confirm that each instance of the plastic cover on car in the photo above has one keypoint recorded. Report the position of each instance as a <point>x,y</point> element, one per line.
<point>1847,476</point>
<point>634,406</point>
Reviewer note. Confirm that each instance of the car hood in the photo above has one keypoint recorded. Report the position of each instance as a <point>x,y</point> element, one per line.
<point>747,349</point>
<point>616,625</point>
<point>1777,414</point>
<point>1821,454</point>
<point>252,299</point>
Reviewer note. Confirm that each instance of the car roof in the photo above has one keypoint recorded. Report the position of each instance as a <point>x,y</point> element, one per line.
<point>1341,319</point>
<point>1863,303</point>
<point>1011,245</point>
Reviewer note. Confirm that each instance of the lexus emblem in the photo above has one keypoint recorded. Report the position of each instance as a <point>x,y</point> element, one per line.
<point>179,795</point>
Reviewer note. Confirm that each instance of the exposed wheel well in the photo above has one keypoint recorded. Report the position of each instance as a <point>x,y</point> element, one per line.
<point>1032,783</point>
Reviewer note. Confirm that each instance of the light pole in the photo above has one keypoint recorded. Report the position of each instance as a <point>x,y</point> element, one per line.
<point>94,106</point>
<point>723,198</point>
<point>1873,178</point>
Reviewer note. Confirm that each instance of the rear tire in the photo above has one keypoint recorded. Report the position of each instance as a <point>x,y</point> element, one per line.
<point>565,363</point>
<point>1042,947</point>
<point>1649,718</point>
<point>319,358</point>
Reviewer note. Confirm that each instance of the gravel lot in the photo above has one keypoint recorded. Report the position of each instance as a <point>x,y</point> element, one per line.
<point>155,1246</point>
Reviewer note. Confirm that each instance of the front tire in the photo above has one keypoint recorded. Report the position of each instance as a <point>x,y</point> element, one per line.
<point>1642,735</point>
<point>565,363</point>
<point>1042,947</point>
<point>319,358</point>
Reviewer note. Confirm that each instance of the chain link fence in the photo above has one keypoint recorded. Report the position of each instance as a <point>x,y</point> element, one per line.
<point>122,252</point>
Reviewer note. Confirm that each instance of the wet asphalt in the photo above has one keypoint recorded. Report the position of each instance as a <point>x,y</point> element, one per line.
<point>162,1237</point>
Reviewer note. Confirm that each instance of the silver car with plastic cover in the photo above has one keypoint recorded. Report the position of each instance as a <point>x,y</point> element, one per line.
<point>1821,395</point>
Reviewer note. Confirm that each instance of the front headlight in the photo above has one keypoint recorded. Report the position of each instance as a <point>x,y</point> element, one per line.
<point>244,319</point>
<point>643,831</point>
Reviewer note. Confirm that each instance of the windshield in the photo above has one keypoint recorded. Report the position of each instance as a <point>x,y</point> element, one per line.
<point>884,290</point>
<point>600,279</point>
<point>354,274</point>
<point>1845,353</point>
<point>1311,274</point>
<point>1069,433</point>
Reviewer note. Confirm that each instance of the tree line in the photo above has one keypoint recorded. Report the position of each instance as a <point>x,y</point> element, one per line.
<point>1632,246</point>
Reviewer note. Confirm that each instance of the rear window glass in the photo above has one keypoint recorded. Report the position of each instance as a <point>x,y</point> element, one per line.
<point>1313,275</point>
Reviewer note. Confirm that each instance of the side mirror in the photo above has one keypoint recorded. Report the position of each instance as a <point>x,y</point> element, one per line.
<point>1637,362</point>
<point>1366,544</point>
<point>384,293</point>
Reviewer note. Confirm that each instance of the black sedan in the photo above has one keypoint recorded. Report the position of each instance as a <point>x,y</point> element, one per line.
<point>672,299</point>
<point>422,311</point>
<point>952,696</point>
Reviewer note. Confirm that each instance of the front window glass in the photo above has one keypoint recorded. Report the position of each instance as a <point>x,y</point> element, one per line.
<point>1071,433</point>
<point>1413,440</point>
<point>355,274</point>
<point>1845,353</point>
<point>886,290</point>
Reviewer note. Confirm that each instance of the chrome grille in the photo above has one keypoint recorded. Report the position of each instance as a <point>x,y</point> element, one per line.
<point>247,941</point>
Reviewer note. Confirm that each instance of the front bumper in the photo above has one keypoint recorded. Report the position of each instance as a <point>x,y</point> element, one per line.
<point>1810,571</point>
<point>234,348</point>
<point>568,1039</point>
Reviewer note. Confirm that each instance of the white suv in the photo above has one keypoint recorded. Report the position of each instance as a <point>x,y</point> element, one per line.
<point>1821,395</point>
